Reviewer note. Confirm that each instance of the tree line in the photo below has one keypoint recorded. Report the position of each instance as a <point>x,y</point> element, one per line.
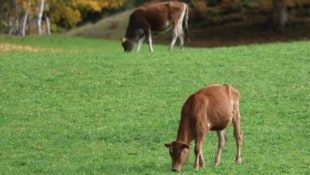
<point>21,17</point>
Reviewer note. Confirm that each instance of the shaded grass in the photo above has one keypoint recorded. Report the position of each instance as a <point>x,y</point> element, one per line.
<point>91,109</point>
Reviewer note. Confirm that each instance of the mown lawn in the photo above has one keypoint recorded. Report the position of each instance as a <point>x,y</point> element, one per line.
<point>82,106</point>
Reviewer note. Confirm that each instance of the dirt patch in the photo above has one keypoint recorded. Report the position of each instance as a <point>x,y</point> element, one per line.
<point>5,47</point>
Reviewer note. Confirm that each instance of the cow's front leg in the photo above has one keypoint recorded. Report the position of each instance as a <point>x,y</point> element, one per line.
<point>140,42</point>
<point>149,39</point>
<point>199,160</point>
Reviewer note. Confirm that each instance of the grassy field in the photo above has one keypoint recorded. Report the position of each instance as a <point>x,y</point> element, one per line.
<point>82,106</point>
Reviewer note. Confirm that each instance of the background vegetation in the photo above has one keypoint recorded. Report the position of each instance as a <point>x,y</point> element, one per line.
<point>63,14</point>
<point>66,14</point>
<point>82,106</point>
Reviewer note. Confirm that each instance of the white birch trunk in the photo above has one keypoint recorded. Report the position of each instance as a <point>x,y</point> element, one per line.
<point>24,24</point>
<point>25,19</point>
<point>40,14</point>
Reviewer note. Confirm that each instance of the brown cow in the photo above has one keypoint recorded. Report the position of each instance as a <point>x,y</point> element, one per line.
<point>156,17</point>
<point>210,109</point>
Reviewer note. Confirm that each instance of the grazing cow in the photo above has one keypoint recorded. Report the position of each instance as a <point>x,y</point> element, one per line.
<point>210,109</point>
<point>156,17</point>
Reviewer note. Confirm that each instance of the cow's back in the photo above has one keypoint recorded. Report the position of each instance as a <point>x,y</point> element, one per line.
<point>211,106</point>
<point>157,16</point>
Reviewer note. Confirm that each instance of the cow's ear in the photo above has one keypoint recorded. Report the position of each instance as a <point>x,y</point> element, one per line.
<point>167,145</point>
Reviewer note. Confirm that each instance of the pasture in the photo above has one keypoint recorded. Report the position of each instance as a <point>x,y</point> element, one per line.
<point>83,106</point>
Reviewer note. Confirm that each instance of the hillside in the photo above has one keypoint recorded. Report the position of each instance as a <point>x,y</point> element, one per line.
<point>204,33</point>
<point>108,28</point>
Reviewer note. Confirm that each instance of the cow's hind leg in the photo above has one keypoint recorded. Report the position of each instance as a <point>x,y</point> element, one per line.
<point>181,34</point>
<point>221,143</point>
<point>174,38</point>
<point>177,33</point>
<point>238,135</point>
<point>181,38</point>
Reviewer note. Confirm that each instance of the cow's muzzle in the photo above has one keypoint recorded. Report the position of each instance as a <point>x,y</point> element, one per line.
<point>175,170</point>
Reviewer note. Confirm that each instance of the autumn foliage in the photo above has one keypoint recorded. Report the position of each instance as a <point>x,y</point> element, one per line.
<point>63,14</point>
<point>21,16</point>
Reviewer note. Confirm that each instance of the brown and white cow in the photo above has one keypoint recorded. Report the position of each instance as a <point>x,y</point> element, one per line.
<point>157,17</point>
<point>210,109</point>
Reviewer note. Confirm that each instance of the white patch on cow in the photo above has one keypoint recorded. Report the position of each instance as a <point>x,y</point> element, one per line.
<point>167,24</point>
<point>124,39</point>
<point>140,41</point>
<point>150,42</point>
<point>233,103</point>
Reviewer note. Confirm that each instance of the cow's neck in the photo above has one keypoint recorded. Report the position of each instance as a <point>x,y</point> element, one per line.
<point>184,132</point>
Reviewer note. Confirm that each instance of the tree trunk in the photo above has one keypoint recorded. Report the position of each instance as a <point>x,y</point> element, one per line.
<point>14,18</point>
<point>24,24</point>
<point>48,25</point>
<point>279,15</point>
<point>25,19</point>
<point>40,14</point>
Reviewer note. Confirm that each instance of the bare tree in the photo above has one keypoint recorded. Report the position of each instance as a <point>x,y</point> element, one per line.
<point>48,24</point>
<point>46,17</point>
<point>40,15</point>
<point>23,32</point>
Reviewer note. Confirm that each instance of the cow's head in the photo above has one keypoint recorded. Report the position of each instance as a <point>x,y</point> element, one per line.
<point>179,153</point>
<point>127,45</point>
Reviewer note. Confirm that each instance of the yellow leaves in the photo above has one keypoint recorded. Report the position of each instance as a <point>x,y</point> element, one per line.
<point>63,14</point>
<point>88,4</point>
<point>70,12</point>
<point>72,16</point>
<point>67,15</point>
<point>97,5</point>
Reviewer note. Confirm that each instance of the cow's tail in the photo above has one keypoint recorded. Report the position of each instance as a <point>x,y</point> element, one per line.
<point>185,23</point>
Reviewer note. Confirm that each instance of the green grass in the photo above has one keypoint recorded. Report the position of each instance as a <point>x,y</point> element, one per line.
<point>82,106</point>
